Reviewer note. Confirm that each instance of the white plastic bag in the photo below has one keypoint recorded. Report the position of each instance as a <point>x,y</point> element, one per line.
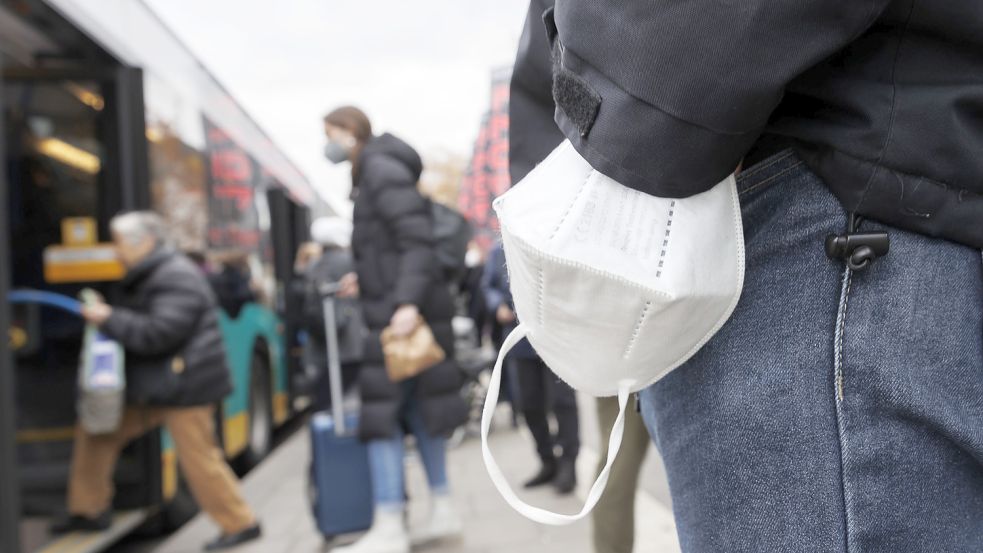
<point>101,383</point>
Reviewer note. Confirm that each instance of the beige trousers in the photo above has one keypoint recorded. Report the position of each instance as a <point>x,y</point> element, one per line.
<point>202,462</point>
<point>613,519</point>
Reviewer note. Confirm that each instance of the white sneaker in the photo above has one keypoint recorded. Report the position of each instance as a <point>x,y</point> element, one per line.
<point>387,535</point>
<point>444,523</point>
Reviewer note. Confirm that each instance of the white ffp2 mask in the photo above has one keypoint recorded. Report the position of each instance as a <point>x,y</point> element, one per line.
<point>613,288</point>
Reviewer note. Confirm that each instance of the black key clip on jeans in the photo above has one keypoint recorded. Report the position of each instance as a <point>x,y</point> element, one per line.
<point>858,249</point>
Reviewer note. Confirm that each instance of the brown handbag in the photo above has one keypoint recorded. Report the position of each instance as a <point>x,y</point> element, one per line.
<point>408,356</point>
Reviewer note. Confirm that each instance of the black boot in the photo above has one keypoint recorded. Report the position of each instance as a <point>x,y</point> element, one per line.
<point>545,475</point>
<point>227,541</point>
<point>78,523</point>
<point>566,476</point>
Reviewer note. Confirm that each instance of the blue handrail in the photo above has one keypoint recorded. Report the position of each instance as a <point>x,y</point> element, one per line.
<point>51,299</point>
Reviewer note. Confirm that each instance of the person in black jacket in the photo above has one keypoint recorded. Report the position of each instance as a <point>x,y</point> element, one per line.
<point>540,392</point>
<point>233,283</point>
<point>176,372</point>
<point>334,235</point>
<point>839,408</point>
<point>399,281</point>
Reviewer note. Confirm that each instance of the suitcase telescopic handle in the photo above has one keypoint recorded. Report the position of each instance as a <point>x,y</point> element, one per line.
<point>328,292</point>
<point>329,288</point>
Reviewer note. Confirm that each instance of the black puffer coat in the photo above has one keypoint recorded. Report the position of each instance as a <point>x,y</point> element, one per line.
<point>396,264</point>
<point>167,316</point>
<point>334,264</point>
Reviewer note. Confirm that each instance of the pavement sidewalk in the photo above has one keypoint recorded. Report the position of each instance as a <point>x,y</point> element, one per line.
<point>277,490</point>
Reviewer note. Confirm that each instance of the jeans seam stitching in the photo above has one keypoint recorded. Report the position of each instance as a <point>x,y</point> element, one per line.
<point>840,330</point>
<point>754,170</point>
<point>781,173</point>
<point>838,399</point>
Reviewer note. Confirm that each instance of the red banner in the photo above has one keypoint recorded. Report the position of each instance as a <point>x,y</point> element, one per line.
<point>233,180</point>
<point>487,175</point>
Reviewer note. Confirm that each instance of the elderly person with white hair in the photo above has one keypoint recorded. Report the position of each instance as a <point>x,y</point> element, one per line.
<point>176,372</point>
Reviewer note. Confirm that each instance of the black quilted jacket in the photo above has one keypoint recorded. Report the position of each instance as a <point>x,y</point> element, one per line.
<point>396,264</point>
<point>167,318</point>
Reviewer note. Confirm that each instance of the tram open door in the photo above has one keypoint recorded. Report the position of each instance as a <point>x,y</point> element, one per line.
<point>74,154</point>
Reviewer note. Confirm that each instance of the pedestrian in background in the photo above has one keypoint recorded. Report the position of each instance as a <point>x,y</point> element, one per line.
<point>540,392</point>
<point>840,407</point>
<point>400,284</point>
<point>334,236</point>
<point>471,287</point>
<point>233,282</point>
<point>307,254</point>
<point>176,372</point>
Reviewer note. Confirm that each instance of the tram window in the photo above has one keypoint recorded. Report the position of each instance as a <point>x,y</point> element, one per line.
<point>177,177</point>
<point>178,167</point>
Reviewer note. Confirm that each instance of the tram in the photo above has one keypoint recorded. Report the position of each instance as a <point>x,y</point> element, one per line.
<point>104,110</point>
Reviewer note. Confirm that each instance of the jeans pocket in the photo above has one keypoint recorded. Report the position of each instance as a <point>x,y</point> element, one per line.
<point>767,171</point>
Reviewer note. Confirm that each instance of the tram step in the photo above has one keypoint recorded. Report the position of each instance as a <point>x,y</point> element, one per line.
<point>89,542</point>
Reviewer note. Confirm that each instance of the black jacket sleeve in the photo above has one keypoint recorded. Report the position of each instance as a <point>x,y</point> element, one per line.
<point>167,321</point>
<point>406,214</point>
<point>532,132</point>
<point>667,96</point>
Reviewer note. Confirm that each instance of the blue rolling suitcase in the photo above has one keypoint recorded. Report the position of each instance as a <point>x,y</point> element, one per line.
<point>340,486</point>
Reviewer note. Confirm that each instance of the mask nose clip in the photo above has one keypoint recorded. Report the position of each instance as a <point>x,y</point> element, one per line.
<point>858,249</point>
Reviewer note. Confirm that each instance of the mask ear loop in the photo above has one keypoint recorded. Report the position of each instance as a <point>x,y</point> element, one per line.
<point>537,514</point>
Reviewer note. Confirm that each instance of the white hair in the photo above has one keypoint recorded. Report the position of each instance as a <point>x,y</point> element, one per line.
<point>332,231</point>
<point>136,226</point>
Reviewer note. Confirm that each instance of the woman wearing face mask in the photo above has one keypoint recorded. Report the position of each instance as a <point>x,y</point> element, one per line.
<point>398,281</point>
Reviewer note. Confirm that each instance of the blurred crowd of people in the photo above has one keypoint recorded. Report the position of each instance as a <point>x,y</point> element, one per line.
<point>385,269</point>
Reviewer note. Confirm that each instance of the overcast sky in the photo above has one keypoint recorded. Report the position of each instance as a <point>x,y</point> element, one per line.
<point>420,68</point>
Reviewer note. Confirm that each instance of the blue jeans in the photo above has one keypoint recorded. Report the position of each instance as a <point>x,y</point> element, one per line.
<point>386,456</point>
<point>836,410</point>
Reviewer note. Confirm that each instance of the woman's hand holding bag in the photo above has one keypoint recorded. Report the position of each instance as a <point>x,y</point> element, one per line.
<point>409,345</point>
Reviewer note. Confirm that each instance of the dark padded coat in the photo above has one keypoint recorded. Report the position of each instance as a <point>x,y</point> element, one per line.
<point>166,310</point>
<point>334,264</point>
<point>495,286</point>
<point>881,98</point>
<point>396,264</point>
